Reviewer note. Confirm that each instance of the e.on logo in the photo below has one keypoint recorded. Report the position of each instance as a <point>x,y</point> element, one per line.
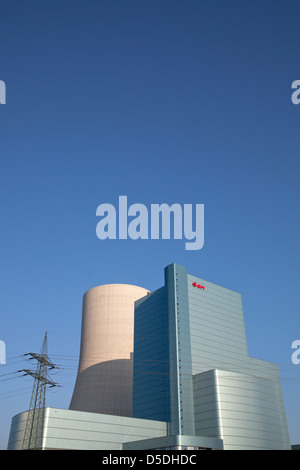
<point>198,285</point>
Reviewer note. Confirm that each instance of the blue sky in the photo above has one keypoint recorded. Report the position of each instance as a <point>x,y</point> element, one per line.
<point>162,101</point>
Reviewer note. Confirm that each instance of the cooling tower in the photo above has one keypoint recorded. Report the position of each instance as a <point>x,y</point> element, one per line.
<point>104,378</point>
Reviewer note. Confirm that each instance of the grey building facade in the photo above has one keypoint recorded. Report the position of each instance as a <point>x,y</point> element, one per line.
<point>192,369</point>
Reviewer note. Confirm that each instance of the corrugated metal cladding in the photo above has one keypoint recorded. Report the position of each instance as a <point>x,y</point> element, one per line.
<point>244,386</point>
<point>217,325</point>
<point>240,409</point>
<point>77,430</point>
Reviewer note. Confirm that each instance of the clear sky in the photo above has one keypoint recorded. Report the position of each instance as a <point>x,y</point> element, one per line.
<point>165,101</point>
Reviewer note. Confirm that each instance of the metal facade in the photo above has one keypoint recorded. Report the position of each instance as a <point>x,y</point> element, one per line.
<point>77,430</point>
<point>198,327</point>
<point>151,358</point>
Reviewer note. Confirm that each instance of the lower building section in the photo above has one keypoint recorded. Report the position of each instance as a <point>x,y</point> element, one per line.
<point>242,410</point>
<point>176,442</point>
<point>78,430</point>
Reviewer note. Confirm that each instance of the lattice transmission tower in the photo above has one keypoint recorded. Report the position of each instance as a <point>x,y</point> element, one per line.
<point>33,435</point>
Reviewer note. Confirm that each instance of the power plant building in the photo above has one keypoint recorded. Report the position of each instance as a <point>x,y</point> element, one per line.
<point>167,369</point>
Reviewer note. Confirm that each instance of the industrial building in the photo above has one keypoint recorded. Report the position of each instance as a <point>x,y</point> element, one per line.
<point>167,369</point>
<point>104,379</point>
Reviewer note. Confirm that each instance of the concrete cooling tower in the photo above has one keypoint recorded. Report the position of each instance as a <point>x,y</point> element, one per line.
<point>104,378</point>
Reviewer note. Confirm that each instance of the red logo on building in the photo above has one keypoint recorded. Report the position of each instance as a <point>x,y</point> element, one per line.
<point>198,285</point>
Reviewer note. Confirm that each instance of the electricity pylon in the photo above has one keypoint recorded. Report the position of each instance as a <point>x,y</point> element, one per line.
<point>33,435</point>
